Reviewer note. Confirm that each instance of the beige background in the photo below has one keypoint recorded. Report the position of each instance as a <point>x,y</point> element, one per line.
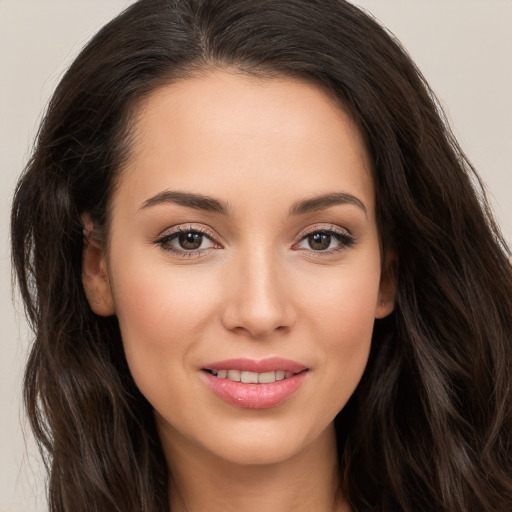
<point>463,47</point>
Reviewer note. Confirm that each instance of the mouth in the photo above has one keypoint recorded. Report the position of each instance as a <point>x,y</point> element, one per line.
<point>255,384</point>
<point>252,377</point>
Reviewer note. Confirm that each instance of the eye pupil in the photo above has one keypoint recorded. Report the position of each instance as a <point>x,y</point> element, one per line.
<point>319,241</point>
<point>190,240</point>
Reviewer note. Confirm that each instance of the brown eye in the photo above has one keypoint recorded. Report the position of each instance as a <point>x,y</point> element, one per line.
<point>326,241</point>
<point>190,240</point>
<point>319,241</point>
<point>186,242</point>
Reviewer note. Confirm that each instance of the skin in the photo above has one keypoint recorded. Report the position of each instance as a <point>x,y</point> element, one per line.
<point>256,288</point>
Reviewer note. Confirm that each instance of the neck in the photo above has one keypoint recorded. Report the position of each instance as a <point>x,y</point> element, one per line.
<point>307,481</point>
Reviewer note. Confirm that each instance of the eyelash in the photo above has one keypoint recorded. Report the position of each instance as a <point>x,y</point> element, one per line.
<point>345,239</point>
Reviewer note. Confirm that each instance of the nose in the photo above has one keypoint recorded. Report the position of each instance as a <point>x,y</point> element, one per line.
<point>258,297</point>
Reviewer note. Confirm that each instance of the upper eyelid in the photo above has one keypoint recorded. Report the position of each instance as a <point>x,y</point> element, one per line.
<point>170,231</point>
<point>323,228</point>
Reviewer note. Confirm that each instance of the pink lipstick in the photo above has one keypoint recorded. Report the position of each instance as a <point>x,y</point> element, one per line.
<point>254,384</point>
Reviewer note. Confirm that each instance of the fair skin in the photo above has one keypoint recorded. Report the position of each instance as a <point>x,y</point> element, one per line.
<point>259,272</point>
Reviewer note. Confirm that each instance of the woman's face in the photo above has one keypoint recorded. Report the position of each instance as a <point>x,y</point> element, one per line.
<point>243,245</point>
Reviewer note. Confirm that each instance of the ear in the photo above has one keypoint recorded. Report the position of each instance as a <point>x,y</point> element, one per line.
<point>95,278</point>
<point>387,288</point>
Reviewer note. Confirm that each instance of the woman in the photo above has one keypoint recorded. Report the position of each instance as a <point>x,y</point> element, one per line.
<point>259,273</point>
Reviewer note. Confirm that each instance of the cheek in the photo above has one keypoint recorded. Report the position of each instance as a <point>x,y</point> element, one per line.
<point>350,314</point>
<point>342,315</point>
<point>342,301</point>
<point>151,296</point>
<point>161,313</point>
<point>348,326</point>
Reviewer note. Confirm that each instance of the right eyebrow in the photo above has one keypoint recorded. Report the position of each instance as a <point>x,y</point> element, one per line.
<point>326,201</point>
<point>197,201</point>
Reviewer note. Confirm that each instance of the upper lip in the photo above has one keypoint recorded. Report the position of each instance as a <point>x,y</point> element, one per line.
<point>271,364</point>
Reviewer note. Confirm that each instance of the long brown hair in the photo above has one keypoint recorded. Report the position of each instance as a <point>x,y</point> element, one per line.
<point>430,426</point>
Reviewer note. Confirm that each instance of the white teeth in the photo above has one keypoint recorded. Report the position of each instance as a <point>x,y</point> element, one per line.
<point>252,377</point>
<point>267,378</point>
<point>249,377</point>
<point>234,375</point>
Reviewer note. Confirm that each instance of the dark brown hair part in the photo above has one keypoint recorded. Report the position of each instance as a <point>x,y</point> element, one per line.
<point>430,426</point>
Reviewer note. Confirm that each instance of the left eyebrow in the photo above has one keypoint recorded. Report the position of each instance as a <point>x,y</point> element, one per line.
<point>196,201</point>
<point>326,201</point>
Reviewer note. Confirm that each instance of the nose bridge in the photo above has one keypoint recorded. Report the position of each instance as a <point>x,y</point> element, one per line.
<point>259,302</point>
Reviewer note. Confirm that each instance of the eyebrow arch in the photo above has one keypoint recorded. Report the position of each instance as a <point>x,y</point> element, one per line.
<point>326,201</point>
<point>197,201</point>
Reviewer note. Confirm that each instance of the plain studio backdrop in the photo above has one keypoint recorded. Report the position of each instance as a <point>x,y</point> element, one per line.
<point>463,47</point>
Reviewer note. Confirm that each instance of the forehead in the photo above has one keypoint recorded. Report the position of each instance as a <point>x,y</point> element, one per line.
<point>229,134</point>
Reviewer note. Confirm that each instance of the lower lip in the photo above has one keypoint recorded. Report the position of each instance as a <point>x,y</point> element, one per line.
<point>254,396</point>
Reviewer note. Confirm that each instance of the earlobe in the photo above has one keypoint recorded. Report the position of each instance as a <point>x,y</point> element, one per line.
<point>95,277</point>
<point>387,289</point>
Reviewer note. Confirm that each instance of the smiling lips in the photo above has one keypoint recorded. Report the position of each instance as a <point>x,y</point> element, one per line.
<point>255,384</point>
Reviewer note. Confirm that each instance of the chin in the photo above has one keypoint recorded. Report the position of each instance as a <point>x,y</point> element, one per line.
<point>256,453</point>
<point>262,444</point>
